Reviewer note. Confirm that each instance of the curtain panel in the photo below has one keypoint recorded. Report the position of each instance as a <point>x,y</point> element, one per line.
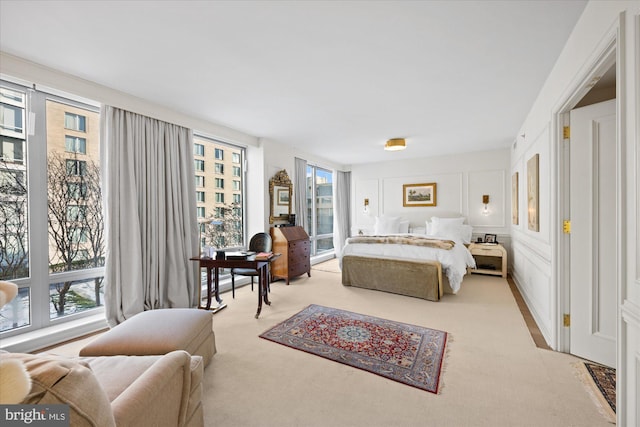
<point>300,192</point>
<point>342,211</point>
<point>150,205</point>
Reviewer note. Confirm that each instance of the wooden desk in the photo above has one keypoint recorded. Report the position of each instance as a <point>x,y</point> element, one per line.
<point>213,278</point>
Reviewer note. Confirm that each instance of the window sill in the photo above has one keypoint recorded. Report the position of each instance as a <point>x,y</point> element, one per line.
<point>52,335</point>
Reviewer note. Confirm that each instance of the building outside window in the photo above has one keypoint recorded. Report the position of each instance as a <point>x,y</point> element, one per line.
<point>198,150</point>
<point>199,181</point>
<point>220,168</point>
<point>199,165</point>
<point>200,196</point>
<point>219,154</point>
<point>236,171</point>
<point>53,189</point>
<point>220,183</point>
<point>236,158</point>
<point>320,209</point>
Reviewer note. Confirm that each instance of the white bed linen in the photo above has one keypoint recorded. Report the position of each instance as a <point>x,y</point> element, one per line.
<point>454,261</point>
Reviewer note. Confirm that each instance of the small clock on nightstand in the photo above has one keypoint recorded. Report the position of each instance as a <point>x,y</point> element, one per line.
<point>491,258</point>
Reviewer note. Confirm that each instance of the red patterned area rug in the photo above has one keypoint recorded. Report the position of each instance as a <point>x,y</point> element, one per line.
<point>409,354</point>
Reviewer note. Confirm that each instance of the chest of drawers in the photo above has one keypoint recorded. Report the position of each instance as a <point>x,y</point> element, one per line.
<point>294,245</point>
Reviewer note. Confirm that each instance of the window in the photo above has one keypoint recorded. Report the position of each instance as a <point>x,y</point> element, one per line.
<point>51,199</point>
<point>199,181</point>
<point>76,190</point>
<point>199,165</point>
<point>236,171</point>
<point>198,149</point>
<point>236,157</point>
<point>75,122</point>
<point>320,209</point>
<point>76,167</point>
<point>79,236</point>
<point>12,113</point>
<point>227,230</point>
<point>75,144</point>
<point>201,212</point>
<point>11,150</point>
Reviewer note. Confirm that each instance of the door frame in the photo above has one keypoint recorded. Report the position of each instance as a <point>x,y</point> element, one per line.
<point>606,55</point>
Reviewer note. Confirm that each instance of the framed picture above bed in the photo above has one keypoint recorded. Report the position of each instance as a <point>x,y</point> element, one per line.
<point>419,194</point>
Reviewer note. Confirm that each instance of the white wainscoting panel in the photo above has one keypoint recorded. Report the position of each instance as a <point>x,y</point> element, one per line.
<point>531,274</point>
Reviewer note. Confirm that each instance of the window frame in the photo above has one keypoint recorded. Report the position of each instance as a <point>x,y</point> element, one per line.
<point>314,237</point>
<point>36,157</point>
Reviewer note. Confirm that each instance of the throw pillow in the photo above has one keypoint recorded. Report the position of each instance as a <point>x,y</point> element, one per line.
<point>386,225</point>
<point>57,380</point>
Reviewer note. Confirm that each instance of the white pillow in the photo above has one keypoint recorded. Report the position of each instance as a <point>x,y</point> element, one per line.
<point>428,229</point>
<point>386,225</point>
<point>451,230</point>
<point>466,232</point>
<point>419,230</point>
<point>457,221</point>
<point>403,227</point>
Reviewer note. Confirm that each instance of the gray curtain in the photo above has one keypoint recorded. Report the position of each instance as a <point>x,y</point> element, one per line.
<point>300,192</point>
<point>342,211</point>
<point>150,205</point>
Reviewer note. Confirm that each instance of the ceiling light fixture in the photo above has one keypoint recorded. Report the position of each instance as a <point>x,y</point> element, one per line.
<point>395,144</point>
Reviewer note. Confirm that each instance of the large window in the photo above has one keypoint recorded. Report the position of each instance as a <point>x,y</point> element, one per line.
<point>320,209</point>
<point>220,207</point>
<point>50,187</point>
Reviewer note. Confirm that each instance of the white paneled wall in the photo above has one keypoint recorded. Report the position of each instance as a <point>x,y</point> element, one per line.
<point>461,181</point>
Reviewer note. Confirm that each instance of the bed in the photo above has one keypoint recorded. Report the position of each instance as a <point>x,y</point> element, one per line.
<point>418,264</point>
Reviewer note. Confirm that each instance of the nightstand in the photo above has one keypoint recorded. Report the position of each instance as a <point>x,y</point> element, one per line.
<point>491,258</point>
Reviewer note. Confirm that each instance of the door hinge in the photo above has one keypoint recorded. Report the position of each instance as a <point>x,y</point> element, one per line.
<point>566,132</point>
<point>566,226</point>
<point>566,321</point>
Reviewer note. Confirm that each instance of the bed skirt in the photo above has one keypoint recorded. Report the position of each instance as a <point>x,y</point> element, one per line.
<point>420,279</point>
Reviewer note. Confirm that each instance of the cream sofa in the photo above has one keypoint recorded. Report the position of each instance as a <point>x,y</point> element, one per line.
<point>164,390</point>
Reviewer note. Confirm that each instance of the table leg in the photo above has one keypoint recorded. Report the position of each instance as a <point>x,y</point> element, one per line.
<point>265,283</point>
<point>217,285</point>
<point>208,306</point>
<point>259,297</point>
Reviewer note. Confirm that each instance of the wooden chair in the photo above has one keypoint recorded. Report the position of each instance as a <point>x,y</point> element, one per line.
<point>260,242</point>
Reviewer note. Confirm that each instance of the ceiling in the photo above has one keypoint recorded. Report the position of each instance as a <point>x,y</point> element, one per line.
<point>335,79</point>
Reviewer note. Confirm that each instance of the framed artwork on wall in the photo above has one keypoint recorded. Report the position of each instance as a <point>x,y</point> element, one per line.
<point>533,193</point>
<point>283,197</point>
<point>419,194</point>
<point>514,199</point>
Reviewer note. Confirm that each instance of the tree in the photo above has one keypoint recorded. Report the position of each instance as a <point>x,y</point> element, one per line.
<point>14,249</point>
<point>76,221</point>
<point>225,230</point>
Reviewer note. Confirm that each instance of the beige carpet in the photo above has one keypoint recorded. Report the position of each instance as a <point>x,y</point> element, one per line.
<point>494,374</point>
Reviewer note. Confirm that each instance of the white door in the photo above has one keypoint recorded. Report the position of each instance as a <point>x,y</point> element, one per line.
<point>593,232</point>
